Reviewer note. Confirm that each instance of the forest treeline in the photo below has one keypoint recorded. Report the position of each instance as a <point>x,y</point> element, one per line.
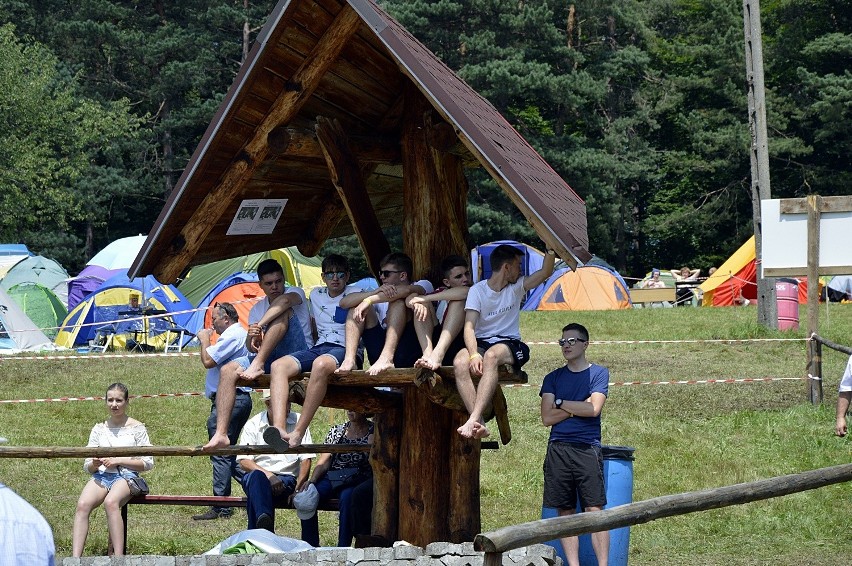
<point>640,105</point>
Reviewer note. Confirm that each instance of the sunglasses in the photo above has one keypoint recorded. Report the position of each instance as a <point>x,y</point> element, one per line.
<point>387,272</point>
<point>329,275</point>
<point>570,341</point>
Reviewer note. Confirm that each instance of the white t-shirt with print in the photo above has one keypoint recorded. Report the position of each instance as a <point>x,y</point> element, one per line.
<point>499,312</point>
<point>324,307</point>
<point>846,381</point>
<point>302,313</point>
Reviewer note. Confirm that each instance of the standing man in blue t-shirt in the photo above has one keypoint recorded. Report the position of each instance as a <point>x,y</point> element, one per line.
<point>572,398</point>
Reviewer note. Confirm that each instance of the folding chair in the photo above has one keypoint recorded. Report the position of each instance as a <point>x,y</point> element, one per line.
<point>103,338</point>
<point>174,338</point>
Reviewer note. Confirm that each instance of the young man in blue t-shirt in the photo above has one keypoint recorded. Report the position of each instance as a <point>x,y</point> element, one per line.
<point>572,398</point>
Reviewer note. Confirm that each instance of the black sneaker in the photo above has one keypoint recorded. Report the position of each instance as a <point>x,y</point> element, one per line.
<point>265,521</point>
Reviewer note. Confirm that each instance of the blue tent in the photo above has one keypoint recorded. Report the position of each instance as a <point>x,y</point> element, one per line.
<point>480,260</point>
<point>113,296</point>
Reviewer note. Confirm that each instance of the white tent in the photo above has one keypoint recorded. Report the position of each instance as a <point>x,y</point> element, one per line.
<point>17,331</point>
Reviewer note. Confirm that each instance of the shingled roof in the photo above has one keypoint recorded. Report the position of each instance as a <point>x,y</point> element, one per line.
<point>349,62</point>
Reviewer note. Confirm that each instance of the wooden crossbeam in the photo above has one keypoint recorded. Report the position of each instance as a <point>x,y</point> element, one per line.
<point>87,451</point>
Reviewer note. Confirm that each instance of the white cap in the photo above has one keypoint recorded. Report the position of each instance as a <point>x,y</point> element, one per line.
<point>306,502</point>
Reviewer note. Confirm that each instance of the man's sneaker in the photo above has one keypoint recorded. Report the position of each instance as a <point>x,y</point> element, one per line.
<point>265,521</point>
<point>213,514</point>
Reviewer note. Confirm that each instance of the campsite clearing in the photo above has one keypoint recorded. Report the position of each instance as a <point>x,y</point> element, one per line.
<point>687,437</point>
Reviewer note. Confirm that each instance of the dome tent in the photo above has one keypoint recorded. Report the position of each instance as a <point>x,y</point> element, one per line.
<point>41,305</point>
<point>590,287</point>
<point>17,332</point>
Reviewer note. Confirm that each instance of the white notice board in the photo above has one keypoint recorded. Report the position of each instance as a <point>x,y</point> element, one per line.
<point>785,241</point>
<point>256,216</point>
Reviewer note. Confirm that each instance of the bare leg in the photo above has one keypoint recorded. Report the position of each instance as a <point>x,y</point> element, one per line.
<point>464,383</point>
<point>354,330</point>
<point>118,495</point>
<point>322,368</point>
<point>274,333</point>
<point>92,496</point>
<point>396,319</point>
<point>452,325</point>
<point>424,329</point>
<point>570,545</point>
<point>600,543</point>
<point>226,392</point>
<point>494,356</point>
<point>282,370</point>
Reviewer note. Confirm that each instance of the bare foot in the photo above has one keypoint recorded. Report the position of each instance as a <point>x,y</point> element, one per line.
<point>467,429</point>
<point>218,441</point>
<point>254,371</point>
<point>380,366</point>
<point>428,363</point>
<point>480,430</point>
<point>294,438</point>
<point>345,367</point>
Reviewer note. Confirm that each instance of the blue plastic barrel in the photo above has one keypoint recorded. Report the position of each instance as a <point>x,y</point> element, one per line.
<point>618,480</point>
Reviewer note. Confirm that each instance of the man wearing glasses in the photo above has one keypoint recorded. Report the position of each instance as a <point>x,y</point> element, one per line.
<point>492,335</point>
<point>572,398</point>
<point>383,320</point>
<point>268,338</point>
<point>321,360</point>
<point>230,346</point>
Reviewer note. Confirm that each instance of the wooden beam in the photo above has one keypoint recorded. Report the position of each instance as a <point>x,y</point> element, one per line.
<point>362,400</point>
<point>803,271</point>
<point>534,532</point>
<point>826,204</point>
<point>463,485</point>
<point>384,459</point>
<point>86,451</point>
<point>366,149</point>
<point>299,89</point>
<point>331,214</point>
<point>346,175</point>
<point>814,203</point>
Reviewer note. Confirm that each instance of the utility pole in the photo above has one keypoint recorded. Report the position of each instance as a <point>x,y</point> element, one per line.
<point>767,309</point>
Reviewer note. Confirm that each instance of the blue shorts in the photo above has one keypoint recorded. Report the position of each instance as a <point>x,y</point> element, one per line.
<point>293,341</point>
<point>107,479</point>
<point>407,351</point>
<point>306,358</point>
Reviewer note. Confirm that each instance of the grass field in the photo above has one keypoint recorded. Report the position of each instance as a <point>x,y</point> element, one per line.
<point>687,437</point>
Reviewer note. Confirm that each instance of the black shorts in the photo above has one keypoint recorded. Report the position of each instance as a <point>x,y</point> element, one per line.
<point>407,351</point>
<point>573,472</point>
<point>520,351</point>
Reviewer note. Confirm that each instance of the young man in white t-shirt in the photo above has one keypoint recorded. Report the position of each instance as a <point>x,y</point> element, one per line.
<point>492,334</point>
<point>290,331</point>
<point>844,398</point>
<point>382,319</point>
<point>321,360</point>
<point>439,329</point>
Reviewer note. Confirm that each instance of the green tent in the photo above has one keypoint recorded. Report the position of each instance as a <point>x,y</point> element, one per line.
<point>41,305</point>
<point>299,271</point>
<point>38,269</point>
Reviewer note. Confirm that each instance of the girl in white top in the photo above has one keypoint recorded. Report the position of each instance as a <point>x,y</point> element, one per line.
<point>108,485</point>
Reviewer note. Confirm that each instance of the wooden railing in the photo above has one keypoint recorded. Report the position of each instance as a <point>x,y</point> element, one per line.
<point>495,543</point>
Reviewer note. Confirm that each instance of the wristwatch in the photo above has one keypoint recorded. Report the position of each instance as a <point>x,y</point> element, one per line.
<point>558,405</point>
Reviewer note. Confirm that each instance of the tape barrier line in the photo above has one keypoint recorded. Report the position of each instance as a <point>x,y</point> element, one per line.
<point>103,356</point>
<point>507,386</point>
<point>705,341</point>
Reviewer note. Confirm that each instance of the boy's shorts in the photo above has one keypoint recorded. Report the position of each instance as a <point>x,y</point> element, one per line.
<point>572,472</point>
<point>407,351</point>
<point>520,351</point>
<point>305,358</point>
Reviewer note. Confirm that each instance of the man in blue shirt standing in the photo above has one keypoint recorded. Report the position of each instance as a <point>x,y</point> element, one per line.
<point>572,398</point>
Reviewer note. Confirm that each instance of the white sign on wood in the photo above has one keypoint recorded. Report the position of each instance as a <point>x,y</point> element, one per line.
<point>785,241</point>
<point>256,216</point>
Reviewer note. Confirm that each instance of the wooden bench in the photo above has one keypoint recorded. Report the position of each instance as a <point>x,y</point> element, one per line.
<point>658,295</point>
<point>208,501</point>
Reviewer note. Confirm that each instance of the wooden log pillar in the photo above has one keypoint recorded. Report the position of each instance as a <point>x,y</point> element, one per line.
<point>424,465</point>
<point>464,484</point>
<point>435,188</point>
<point>384,459</point>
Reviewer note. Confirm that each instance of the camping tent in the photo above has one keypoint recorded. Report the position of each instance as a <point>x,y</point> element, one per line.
<point>114,259</point>
<point>17,332</point>
<point>591,287</point>
<point>299,271</point>
<point>738,275</point>
<point>239,289</point>
<point>103,306</point>
<point>41,270</point>
<point>15,249</point>
<point>41,305</point>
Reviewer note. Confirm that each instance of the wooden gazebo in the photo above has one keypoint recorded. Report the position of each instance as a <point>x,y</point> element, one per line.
<point>340,122</point>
